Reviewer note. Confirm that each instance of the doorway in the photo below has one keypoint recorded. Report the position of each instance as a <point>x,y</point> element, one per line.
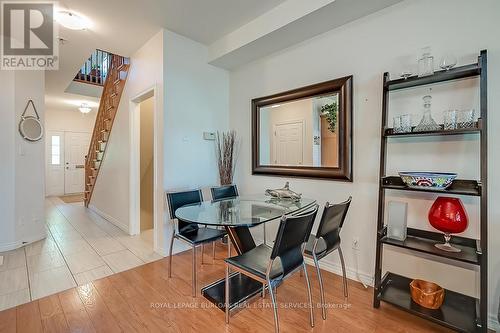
<point>66,162</point>
<point>146,167</point>
<point>146,143</point>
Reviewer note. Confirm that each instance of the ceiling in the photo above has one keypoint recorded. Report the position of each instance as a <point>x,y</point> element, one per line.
<point>111,20</point>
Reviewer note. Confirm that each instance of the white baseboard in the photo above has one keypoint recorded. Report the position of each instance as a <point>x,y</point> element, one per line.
<point>15,245</point>
<point>110,219</point>
<point>351,274</point>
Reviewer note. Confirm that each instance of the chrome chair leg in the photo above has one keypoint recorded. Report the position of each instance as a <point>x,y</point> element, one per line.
<point>213,250</point>
<point>202,252</point>
<point>227,294</point>
<point>344,278</point>
<point>263,290</point>
<point>170,257</point>
<point>275,307</point>
<point>264,229</point>
<point>309,295</point>
<point>194,271</point>
<point>321,290</point>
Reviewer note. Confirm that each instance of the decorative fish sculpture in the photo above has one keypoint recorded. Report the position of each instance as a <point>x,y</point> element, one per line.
<point>284,193</point>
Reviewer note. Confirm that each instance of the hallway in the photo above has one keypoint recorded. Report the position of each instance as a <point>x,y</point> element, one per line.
<point>80,247</point>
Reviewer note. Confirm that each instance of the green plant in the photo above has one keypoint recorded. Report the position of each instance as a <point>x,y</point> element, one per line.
<point>330,112</point>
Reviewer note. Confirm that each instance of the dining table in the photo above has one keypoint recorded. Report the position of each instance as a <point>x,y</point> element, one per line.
<point>237,216</point>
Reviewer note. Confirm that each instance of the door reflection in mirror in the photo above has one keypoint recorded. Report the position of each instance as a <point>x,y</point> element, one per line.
<point>300,133</point>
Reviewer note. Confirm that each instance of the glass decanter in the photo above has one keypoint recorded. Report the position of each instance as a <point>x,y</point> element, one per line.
<point>427,123</point>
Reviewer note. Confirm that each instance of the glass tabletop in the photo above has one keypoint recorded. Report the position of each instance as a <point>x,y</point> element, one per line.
<point>241,211</point>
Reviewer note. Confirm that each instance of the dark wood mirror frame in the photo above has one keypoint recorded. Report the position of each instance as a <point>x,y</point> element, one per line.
<point>344,170</point>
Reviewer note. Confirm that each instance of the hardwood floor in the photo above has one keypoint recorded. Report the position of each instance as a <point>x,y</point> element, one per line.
<point>144,299</point>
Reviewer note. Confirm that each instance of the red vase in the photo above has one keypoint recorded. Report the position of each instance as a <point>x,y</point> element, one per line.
<point>449,216</point>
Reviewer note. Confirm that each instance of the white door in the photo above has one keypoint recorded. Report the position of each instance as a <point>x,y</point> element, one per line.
<point>289,144</point>
<point>76,146</point>
<point>55,163</point>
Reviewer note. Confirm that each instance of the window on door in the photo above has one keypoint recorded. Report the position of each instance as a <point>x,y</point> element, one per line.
<point>55,157</point>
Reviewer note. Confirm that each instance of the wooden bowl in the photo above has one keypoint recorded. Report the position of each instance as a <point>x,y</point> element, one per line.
<point>427,294</point>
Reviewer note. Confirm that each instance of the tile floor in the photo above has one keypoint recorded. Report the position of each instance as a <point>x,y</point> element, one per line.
<point>80,247</point>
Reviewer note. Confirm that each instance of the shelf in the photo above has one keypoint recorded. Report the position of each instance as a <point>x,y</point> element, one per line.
<point>424,241</point>
<point>458,311</point>
<point>438,76</point>
<point>459,186</point>
<point>388,132</point>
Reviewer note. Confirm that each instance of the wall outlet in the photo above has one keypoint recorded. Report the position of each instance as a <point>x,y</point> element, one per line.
<point>355,243</point>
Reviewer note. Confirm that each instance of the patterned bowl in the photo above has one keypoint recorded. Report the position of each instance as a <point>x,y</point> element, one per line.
<point>429,180</point>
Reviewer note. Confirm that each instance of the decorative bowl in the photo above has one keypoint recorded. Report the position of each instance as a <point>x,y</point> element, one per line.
<point>428,180</point>
<point>427,294</point>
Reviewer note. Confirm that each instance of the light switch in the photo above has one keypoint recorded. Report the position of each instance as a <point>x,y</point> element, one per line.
<point>209,136</point>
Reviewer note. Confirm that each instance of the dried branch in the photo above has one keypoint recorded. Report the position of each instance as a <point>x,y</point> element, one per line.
<point>225,150</point>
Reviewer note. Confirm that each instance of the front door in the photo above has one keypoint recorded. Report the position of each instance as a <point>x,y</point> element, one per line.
<point>76,147</point>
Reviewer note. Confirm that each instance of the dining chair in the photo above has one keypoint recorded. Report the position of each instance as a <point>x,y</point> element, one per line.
<point>231,191</point>
<point>260,263</point>
<point>224,192</point>
<point>187,232</point>
<point>327,240</point>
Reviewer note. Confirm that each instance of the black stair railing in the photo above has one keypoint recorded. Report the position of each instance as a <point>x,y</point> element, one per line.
<point>95,69</point>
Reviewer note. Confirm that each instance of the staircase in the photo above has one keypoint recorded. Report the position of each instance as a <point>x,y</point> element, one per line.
<point>110,99</point>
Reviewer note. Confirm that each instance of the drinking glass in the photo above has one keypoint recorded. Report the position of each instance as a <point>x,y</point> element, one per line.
<point>405,123</point>
<point>466,118</point>
<point>450,119</point>
<point>448,61</point>
<point>396,127</point>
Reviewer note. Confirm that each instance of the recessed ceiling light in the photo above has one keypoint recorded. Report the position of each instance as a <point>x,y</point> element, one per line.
<point>71,20</point>
<point>85,108</point>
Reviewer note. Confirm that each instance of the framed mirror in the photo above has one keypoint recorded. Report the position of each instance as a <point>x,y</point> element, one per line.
<point>30,127</point>
<point>305,132</point>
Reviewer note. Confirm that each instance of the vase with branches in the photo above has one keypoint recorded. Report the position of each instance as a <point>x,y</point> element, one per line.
<point>226,155</point>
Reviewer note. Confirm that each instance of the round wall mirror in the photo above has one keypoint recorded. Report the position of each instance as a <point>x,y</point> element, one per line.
<point>31,128</point>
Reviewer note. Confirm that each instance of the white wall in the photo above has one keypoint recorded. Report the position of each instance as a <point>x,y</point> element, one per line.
<point>22,169</point>
<point>196,101</point>
<point>388,40</point>
<point>70,121</point>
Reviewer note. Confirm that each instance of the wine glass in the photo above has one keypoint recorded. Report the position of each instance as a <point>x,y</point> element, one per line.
<point>448,61</point>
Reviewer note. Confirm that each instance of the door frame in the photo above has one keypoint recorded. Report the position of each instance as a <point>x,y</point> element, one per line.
<point>135,158</point>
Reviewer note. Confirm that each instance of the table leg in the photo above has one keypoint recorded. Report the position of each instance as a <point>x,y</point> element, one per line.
<point>242,287</point>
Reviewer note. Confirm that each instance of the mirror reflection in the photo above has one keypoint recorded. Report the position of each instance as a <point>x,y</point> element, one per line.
<point>300,133</point>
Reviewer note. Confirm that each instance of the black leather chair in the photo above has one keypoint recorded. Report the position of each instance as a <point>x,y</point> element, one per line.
<point>224,192</point>
<point>227,192</point>
<point>260,264</point>
<point>187,232</point>
<point>327,240</point>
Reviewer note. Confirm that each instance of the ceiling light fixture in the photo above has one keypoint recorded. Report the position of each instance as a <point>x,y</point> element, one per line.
<point>71,20</point>
<point>85,108</point>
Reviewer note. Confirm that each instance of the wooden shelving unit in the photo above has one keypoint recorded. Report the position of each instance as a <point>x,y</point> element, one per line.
<point>459,312</point>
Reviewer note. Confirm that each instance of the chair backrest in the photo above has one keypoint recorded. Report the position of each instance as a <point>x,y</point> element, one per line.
<point>293,232</point>
<point>332,221</point>
<point>176,200</point>
<point>224,192</point>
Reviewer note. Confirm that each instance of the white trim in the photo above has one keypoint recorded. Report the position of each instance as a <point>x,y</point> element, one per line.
<point>351,274</point>
<point>15,245</point>
<point>134,194</point>
<point>109,218</point>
